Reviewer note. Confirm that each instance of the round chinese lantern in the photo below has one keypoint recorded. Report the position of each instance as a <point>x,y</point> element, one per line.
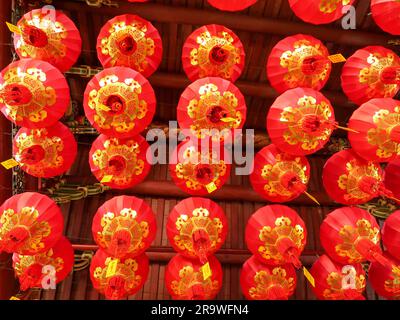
<point>301,121</point>
<point>279,176</point>
<point>46,152</point>
<point>376,130</point>
<point>30,223</point>
<point>350,180</point>
<point>371,72</point>
<point>130,41</point>
<point>48,35</point>
<point>213,51</point>
<point>33,93</point>
<point>391,234</point>
<point>392,177</point>
<point>212,107</point>
<point>386,15</point>
<point>186,280</point>
<point>199,171</point>
<point>124,226</point>
<point>119,163</point>
<point>299,61</point>
<point>276,235</point>
<point>197,228</point>
<point>262,282</point>
<point>118,278</point>
<point>334,281</point>
<point>351,235</point>
<point>319,11</point>
<point>119,102</point>
<point>46,269</point>
<point>231,5</point>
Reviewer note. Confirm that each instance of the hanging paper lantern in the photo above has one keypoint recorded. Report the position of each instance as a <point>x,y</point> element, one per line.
<point>124,226</point>
<point>118,278</point>
<point>185,279</point>
<point>371,72</point>
<point>197,228</point>
<point>48,35</point>
<point>278,176</point>
<point>119,163</point>
<point>33,93</point>
<point>232,5</point>
<point>213,51</point>
<point>299,61</point>
<point>46,152</point>
<point>301,121</point>
<point>198,171</point>
<point>44,269</point>
<point>30,223</point>
<point>319,11</point>
<point>376,130</point>
<point>276,235</point>
<point>391,234</point>
<point>334,281</point>
<point>130,41</point>
<point>119,102</point>
<point>386,15</point>
<point>392,177</point>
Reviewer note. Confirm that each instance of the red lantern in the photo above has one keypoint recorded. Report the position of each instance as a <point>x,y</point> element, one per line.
<point>319,11</point>
<point>392,177</point>
<point>298,61</point>
<point>276,235</point>
<point>118,278</point>
<point>212,104</point>
<point>197,228</point>
<point>33,93</point>
<point>46,268</point>
<point>371,72</point>
<point>119,163</point>
<point>263,282</point>
<point>119,102</point>
<point>124,226</point>
<point>30,223</point>
<point>185,280</point>
<point>391,234</point>
<point>385,14</point>
<point>301,121</point>
<point>334,281</point>
<point>48,35</point>
<point>376,130</point>
<point>197,170</point>
<point>232,5</point>
<point>213,51</point>
<point>46,152</point>
<point>130,41</point>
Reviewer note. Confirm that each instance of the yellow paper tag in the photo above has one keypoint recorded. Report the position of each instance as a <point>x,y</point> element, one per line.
<point>106,179</point>
<point>13,28</point>
<point>112,268</point>
<point>211,187</point>
<point>206,270</point>
<point>9,164</point>
<point>337,58</point>
<point>309,276</point>
<point>104,107</point>
<point>228,119</point>
<point>14,298</point>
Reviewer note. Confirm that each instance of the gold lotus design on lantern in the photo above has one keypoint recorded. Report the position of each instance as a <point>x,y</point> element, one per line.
<point>336,291</point>
<point>330,6</point>
<point>393,285</point>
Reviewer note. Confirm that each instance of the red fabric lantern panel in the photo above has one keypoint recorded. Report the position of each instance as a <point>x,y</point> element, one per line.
<point>33,93</point>
<point>50,267</point>
<point>46,152</point>
<point>298,61</point>
<point>231,5</point>
<point>197,228</point>
<point>386,15</point>
<point>278,176</point>
<point>212,104</point>
<point>300,121</point>
<point>319,11</point>
<point>213,51</point>
<point>119,102</point>
<point>371,72</point>
<point>124,226</point>
<point>30,223</point>
<point>392,177</point>
<point>130,41</point>
<point>334,281</point>
<point>118,278</point>
<point>351,235</point>
<point>276,235</point>
<point>198,171</point>
<point>184,279</point>
<point>391,234</point>
<point>48,35</point>
<point>262,282</point>
<point>125,160</point>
